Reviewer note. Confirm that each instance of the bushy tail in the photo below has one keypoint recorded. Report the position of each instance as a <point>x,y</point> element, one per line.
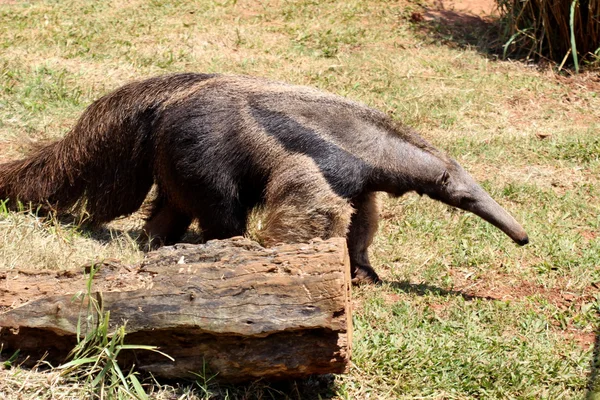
<point>96,167</point>
<point>104,165</point>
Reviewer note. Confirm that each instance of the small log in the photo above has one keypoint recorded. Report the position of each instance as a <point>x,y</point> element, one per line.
<point>241,310</point>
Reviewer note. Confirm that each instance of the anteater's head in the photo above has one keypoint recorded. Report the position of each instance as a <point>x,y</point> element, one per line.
<point>454,186</point>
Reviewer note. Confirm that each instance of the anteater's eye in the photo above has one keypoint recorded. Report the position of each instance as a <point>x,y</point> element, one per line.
<point>445,178</point>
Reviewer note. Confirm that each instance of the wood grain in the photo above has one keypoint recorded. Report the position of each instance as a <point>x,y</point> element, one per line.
<point>244,311</point>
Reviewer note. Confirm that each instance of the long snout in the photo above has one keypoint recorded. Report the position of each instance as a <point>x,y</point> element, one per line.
<point>488,209</point>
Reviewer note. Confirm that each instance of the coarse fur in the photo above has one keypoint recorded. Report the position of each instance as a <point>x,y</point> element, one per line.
<point>217,146</point>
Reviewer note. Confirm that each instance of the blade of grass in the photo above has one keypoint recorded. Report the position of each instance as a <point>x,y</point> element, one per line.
<point>573,42</point>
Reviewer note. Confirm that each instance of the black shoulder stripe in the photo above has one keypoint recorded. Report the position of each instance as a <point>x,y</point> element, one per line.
<point>345,173</point>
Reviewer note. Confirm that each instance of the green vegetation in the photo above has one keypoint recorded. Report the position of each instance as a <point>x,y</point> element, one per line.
<point>554,29</point>
<point>464,313</point>
<point>93,361</point>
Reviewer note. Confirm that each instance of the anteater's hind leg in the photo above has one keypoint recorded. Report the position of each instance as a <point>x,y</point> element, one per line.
<point>301,206</point>
<point>165,224</point>
<point>224,219</point>
<point>360,236</point>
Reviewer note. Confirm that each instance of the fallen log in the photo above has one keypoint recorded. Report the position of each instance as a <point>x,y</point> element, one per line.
<point>241,310</point>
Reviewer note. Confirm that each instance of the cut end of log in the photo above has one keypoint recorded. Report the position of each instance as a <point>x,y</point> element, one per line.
<point>244,311</point>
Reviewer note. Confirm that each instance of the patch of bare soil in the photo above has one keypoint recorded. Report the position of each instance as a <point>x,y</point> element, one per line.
<point>461,23</point>
<point>587,234</point>
<point>461,11</point>
<point>475,7</point>
<point>498,286</point>
<point>587,80</point>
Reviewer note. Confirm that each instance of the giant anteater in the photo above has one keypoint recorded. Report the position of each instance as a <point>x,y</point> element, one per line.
<point>218,146</point>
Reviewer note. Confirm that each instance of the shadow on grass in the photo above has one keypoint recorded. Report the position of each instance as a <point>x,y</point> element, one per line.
<point>106,235</point>
<point>423,289</point>
<point>463,29</point>
<point>313,387</point>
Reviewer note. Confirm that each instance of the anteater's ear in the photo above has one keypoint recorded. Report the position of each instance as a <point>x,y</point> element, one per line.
<point>444,178</point>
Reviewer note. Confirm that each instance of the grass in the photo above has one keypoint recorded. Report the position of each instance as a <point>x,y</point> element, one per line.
<point>93,361</point>
<point>463,313</point>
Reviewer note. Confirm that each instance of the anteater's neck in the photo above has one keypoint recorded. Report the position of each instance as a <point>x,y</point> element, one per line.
<point>407,166</point>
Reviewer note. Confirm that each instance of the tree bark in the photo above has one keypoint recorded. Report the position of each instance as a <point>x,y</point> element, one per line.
<point>241,310</point>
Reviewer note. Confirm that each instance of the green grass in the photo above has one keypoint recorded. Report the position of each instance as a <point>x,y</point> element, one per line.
<point>468,349</point>
<point>93,362</point>
<point>464,313</point>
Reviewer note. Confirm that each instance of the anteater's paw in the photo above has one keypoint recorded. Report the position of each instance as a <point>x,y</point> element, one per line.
<point>364,274</point>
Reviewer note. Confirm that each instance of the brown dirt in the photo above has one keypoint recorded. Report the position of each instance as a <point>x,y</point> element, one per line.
<point>587,234</point>
<point>588,80</point>
<point>582,339</point>
<point>475,7</point>
<point>499,286</point>
<point>460,11</point>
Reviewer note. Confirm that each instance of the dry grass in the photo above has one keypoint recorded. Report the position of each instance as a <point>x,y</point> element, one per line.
<point>440,327</point>
<point>553,29</point>
<point>60,245</point>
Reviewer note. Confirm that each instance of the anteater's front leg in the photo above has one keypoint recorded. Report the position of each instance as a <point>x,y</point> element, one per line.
<point>300,205</point>
<point>360,236</point>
